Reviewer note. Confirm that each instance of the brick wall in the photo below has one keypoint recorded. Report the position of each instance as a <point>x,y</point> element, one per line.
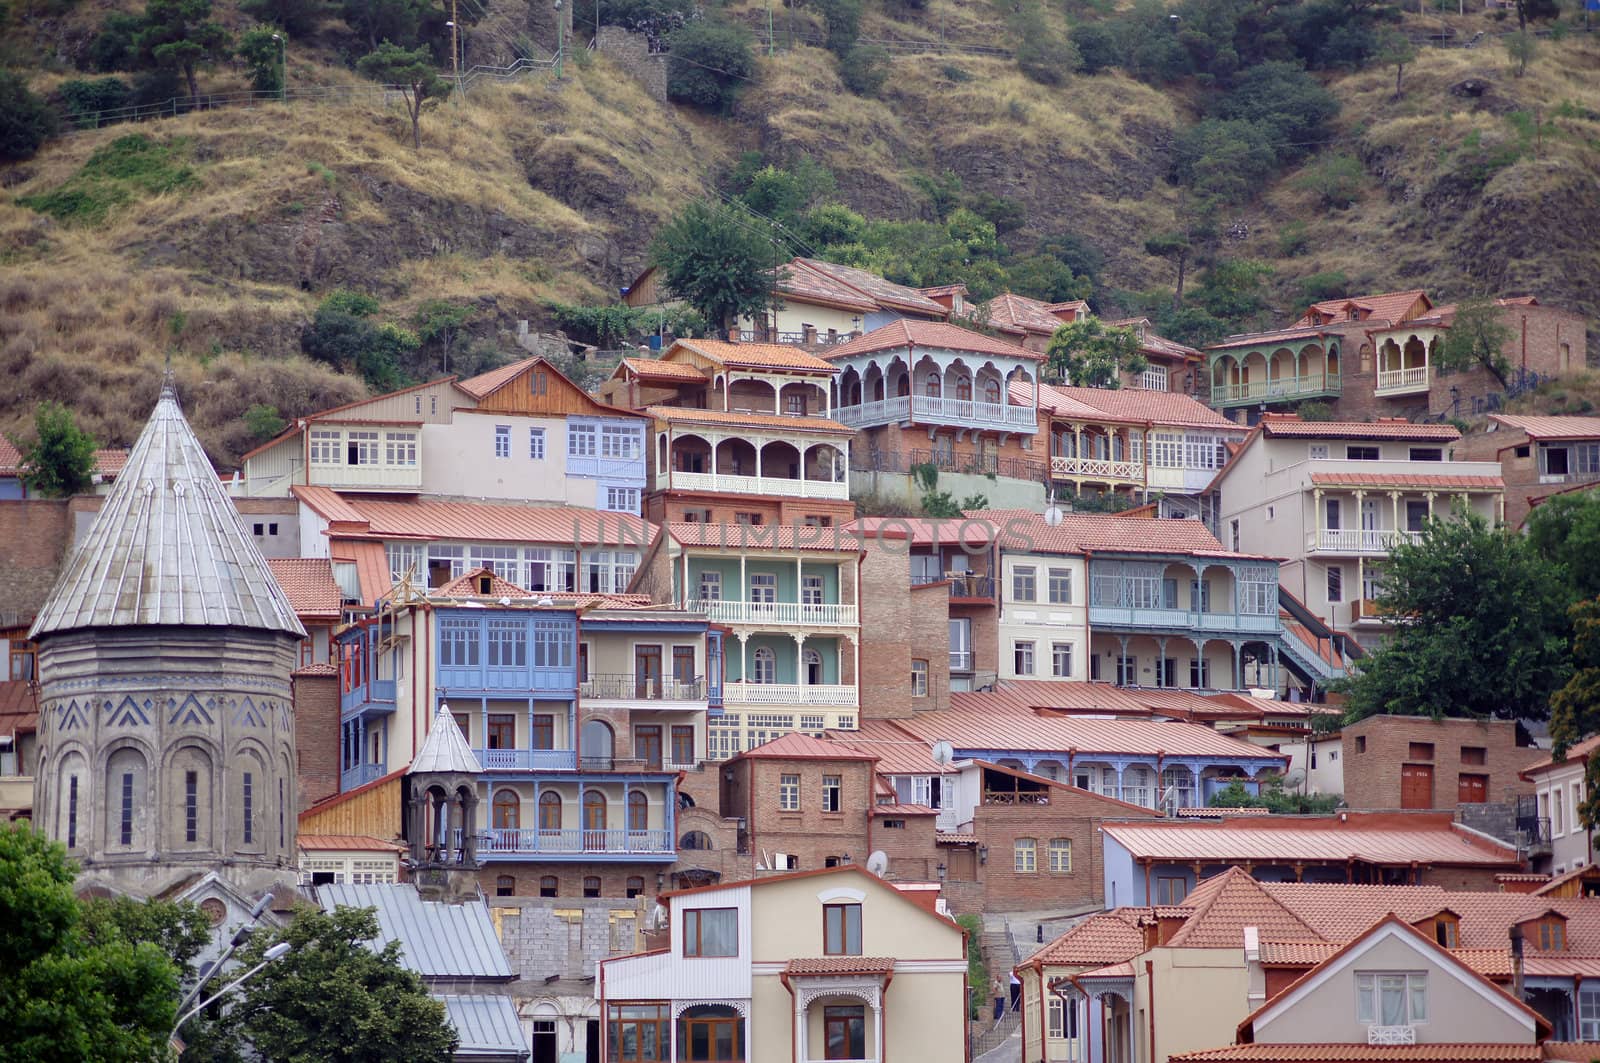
<point>929,624</point>
<point>316,736</point>
<point>885,683</point>
<point>1375,749</point>
<point>809,834</point>
<point>34,535</point>
<point>913,855</point>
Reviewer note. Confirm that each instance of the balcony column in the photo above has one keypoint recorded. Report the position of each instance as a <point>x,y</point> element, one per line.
<point>1429,496</point>
<point>1238,665</point>
<point>1361,497</point>
<point>744,657</point>
<point>1120,768</point>
<point>1318,518</point>
<point>1361,579</point>
<point>877,1022</point>
<point>744,588</point>
<point>1161,661</point>
<point>800,664</point>
<point>758,447</point>
<point>1394,498</point>
<point>801,1051</point>
<point>536,824</point>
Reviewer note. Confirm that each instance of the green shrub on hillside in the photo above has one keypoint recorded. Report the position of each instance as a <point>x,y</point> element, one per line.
<point>128,168</point>
<point>87,97</point>
<point>25,121</point>
<point>864,69</point>
<point>708,63</point>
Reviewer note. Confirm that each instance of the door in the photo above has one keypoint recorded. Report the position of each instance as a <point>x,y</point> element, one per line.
<point>647,671</point>
<point>844,1031</point>
<point>647,745</point>
<point>1416,786</point>
<point>591,1042</point>
<point>683,672</point>
<point>1472,790</point>
<point>544,1041</point>
<point>1369,524</point>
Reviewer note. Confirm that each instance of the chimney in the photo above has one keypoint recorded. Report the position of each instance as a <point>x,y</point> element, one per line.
<point>808,335</point>
<point>733,334</point>
<point>1516,962</point>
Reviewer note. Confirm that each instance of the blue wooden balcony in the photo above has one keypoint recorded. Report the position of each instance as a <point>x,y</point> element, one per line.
<point>527,759</point>
<point>1120,619</point>
<point>509,844</point>
<point>360,775</point>
<point>371,697</point>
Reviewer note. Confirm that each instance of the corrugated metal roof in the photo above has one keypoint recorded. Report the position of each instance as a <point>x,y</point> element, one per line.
<point>1407,479</point>
<point>797,746</point>
<point>445,751</point>
<point>740,537</point>
<point>830,280</point>
<point>475,521</point>
<point>908,332</point>
<point>738,419</point>
<point>899,752</point>
<point>1025,531</point>
<point>1552,427</point>
<point>437,940</point>
<point>1305,838</point>
<point>485,1026</point>
<point>167,547</point>
<point>1364,1053</point>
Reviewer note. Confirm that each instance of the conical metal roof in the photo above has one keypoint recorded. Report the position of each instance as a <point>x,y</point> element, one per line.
<point>445,751</point>
<point>167,548</point>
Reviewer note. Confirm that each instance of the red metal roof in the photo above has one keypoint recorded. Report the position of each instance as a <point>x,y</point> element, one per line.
<point>1186,704</point>
<point>911,333</point>
<point>847,284</point>
<point>736,419</point>
<point>925,531</point>
<point>1026,531</point>
<point>1291,426</point>
<point>740,537</point>
<point>1362,1053</point>
<point>476,521</point>
<point>1349,836</point>
<point>1407,479</point>
<point>797,746</point>
<point>1551,427</point>
<point>372,566</point>
<point>899,752</point>
<point>348,842</point>
<point>308,584</point>
<point>758,355</point>
<point>1028,695</point>
<point>1132,406</point>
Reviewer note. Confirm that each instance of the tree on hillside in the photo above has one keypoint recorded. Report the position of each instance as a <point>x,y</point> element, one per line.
<point>1477,337</point>
<point>1090,354</point>
<point>181,35</point>
<point>334,997</point>
<point>1396,49</point>
<point>1482,628</point>
<point>262,55</point>
<point>64,996</point>
<point>1176,248</point>
<point>59,462</point>
<point>716,262</point>
<point>419,83</point>
<point>343,334</point>
<point>1575,708</point>
<point>385,20</point>
<point>1565,529</point>
<point>708,62</point>
<point>1521,48</point>
<point>439,321</point>
<point>298,18</point>
<point>25,121</point>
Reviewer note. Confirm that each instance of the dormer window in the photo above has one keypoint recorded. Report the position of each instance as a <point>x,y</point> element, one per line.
<point>1548,933</point>
<point>485,583</point>
<point>1446,928</point>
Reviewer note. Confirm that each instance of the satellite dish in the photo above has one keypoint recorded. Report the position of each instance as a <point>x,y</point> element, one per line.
<point>943,753</point>
<point>878,862</point>
<point>1294,778</point>
<point>1052,515</point>
<point>657,919</point>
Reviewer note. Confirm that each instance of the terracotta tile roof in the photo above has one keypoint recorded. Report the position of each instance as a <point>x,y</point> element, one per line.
<point>1289,426</point>
<point>19,707</point>
<point>857,286</point>
<point>1151,343</point>
<point>1020,315</point>
<point>1578,751</point>
<point>316,669</point>
<point>1023,530</point>
<point>308,583</point>
<point>1576,1051</point>
<point>903,810</point>
<point>1407,479</point>
<point>923,531</point>
<point>107,461</point>
<point>348,842</point>
<point>944,289</point>
<point>1186,704</point>
<point>1387,307</point>
<point>758,355</point>
<point>1227,903</point>
<point>1109,972</point>
<point>908,332</point>
<point>487,383</point>
<point>1056,401</point>
<point>1552,427</point>
<point>477,521</point>
<point>736,419</point>
<point>1109,937</point>
<point>824,965</point>
<point>1254,339</point>
<point>1077,306</point>
<point>660,369</point>
<point>1135,406</point>
<point>976,724</point>
<point>1296,953</point>
<point>1362,1053</point>
<point>797,746</point>
<point>899,752</point>
<point>1312,838</point>
<point>1343,912</point>
<point>738,537</point>
<point>466,586</point>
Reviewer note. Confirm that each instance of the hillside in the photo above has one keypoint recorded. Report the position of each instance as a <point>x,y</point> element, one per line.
<point>214,238</point>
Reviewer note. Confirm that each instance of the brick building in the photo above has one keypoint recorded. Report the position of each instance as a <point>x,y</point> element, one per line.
<point>1415,762</point>
<point>1538,456</point>
<point>804,803</point>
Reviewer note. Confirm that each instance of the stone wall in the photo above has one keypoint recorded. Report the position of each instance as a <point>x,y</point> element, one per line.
<point>631,51</point>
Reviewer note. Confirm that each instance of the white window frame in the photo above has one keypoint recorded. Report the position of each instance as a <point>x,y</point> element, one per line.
<point>1061,660</point>
<point>502,441</point>
<point>710,586</point>
<point>789,793</point>
<point>1060,585</point>
<point>582,441</point>
<point>536,444</point>
<point>919,678</point>
<point>1370,987</point>
<point>400,449</point>
<point>1024,577</point>
<point>1022,655</point>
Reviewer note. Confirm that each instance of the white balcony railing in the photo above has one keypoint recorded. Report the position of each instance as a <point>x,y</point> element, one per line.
<point>510,840</point>
<point>371,477</point>
<point>778,614</point>
<point>961,660</point>
<point>869,414</point>
<point>1102,616</point>
<point>752,485</point>
<point>1359,540</point>
<point>927,409</point>
<point>740,693</point>
<point>1402,381</point>
<point>1287,387</point>
<point>1099,468</point>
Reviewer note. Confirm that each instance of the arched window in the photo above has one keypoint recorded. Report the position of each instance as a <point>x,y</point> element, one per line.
<point>507,810</point>
<point>597,741</point>
<point>549,811</point>
<point>188,781</point>
<point>505,886</point>
<point>549,886</point>
<point>594,811</point>
<point>695,839</point>
<point>591,885</point>
<point>991,392</point>
<point>638,811</point>
<point>813,661</point>
<point>717,1027</point>
<point>964,388</point>
<point>635,886</point>
<point>931,388</point>
<point>71,811</point>
<point>763,666</point>
<point>125,800</point>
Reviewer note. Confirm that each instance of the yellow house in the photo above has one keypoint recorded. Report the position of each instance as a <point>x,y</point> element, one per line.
<point>817,965</point>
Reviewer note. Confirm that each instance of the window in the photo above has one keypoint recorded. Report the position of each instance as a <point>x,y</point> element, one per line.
<point>619,441</point>
<point>549,811</point>
<point>1420,751</point>
<point>502,441</point>
<point>831,786</point>
<point>191,806</point>
<point>1317,452</point>
<point>1060,586</point>
<point>811,590</point>
<point>549,886</point>
<point>580,441</point>
<point>1127,671</point>
<point>844,1031</point>
<point>710,1032</point>
<point>1361,743</point>
<point>1331,514</point>
<point>622,499</point>
<point>324,448</point>
<point>711,932</point>
<point>249,808</point>
<point>506,810</point>
<point>1354,453</point>
<point>1171,890</point>
<point>538,382</point>
<point>841,929</point>
<point>1427,454</point>
<point>919,679</point>
<point>635,886</point>
<point>505,886</point>
<point>763,666</point>
<point>1199,673</point>
<point>1023,584</point>
<point>591,885</point>
<point>683,744</point>
<point>1335,583</point>
<point>536,444</point>
<point>764,587</point>
<point>1233,535</point>
<point>639,1033</point>
<point>1022,657</point>
<point>1446,931</point>
<point>1391,999</point>
<point>1550,935</point>
<point>711,586</point>
<point>400,448</point>
<point>544,731</point>
<point>125,826</point>
<point>1061,855</point>
<point>1061,660</point>
<point>1473,754</point>
<point>72,812</point>
<point>361,448</point>
<point>1062,1018</point>
<point>1025,856</point>
<point>1589,1014</point>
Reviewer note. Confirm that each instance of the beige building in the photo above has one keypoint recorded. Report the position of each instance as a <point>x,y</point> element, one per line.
<point>791,968</point>
<point>1558,840</point>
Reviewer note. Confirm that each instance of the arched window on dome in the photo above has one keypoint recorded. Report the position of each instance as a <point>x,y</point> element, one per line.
<point>126,813</point>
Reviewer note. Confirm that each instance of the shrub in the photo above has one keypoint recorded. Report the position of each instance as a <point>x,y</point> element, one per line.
<point>85,98</point>
<point>25,121</point>
<point>1292,239</point>
<point>708,61</point>
<point>1225,158</point>
<point>1336,180</point>
<point>125,169</point>
<point>1283,98</point>
<point>843,21</point>
<point>864,69</point>
<point>1314,411</point>
<point>263,421</point>
<point>298,18</point>
<point>1042,54</point>
<point>1329,284</point>
<point>114,47</point>
<point>1097,46</point>
<point>263,56</point>
<point>955,73</point>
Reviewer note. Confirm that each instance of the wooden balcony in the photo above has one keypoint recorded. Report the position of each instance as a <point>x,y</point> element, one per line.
<point>1119,618</point>
<point>504,842</point>
<point>1370,541</point>
<point>778,614</point>
<point>632,688</point>
<point>1104,469</point>
<point>926,409</point>
<point>368,477</point>
<point>1402,381</point>
<point>840,695</point>
<point>728,483</point>
<point>527,759</point>
<point>1282,389</point>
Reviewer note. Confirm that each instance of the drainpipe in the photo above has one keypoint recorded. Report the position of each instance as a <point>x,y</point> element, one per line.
<point>1150,993</point>
<point>1516,962</point>
<point>794,1034</point>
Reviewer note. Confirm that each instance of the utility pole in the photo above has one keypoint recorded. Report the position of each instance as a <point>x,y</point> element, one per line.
<point>455,46</point>
<point>560,41</point>
<point>283,67</point>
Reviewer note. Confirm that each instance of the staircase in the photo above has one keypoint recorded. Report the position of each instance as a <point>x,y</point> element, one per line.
<point>1001,953</point>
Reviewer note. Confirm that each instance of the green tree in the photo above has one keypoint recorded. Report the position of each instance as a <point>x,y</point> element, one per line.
<point>1335,179</point>
<point>864,69</point>
<point>716,262</point>
<point>59,462</point>
<point>413,72</point>
<point>263,57</point>
<point>178,929</point>
<point>116,46</point>
<point>385,20</point>
<point>25,121</point>
<point>1287,100</point>
<point>1484,632</point>
<point>87,97</point>
<point>181,35</point>
<point>1477,338</point>
<point>1233,289</point>
<point>264,422</point>
<point>438,322</point>
<point>1397,50</point>
<point>842,18</point>
<point>1175,247</point>
<point>334,997</point>
<point>1048,278</point>
<point>708,61</point>
<point>1565,529</point>
<point>64,995</point>
<point>1575,708</point>
<point>343,334</point>
<point>1043,55</point>
<point>1227,159</point>
<point>1275,798</point>
<point>298,18</point>
<point>1090,354</point>
<point>1521,48</point>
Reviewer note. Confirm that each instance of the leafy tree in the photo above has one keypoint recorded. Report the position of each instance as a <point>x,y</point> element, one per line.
<point>1232,289</point>
<point>1276,799</point>
<point>832,224</point>
<point>439,321</point>
<point>1485,628</point>
<point>1091,354</point>
<point>1225,158</point>
<point>1575,708</point>
<point>298,18</point>
<point>977,969</point>
<point>181,35</point>
<point>842,18</point>
<point>59,462</point>
<point>943,191</point>
<point>1097,46</point>
<point>653,18</point>
<point>263,57</point>
<point>944,505</point>
<point>66,994</point>
<point>1335,179</point>
<point>1176,247</point>
<point>1291,103</point>
<point>86,97</point>
<point>333,996</point>
<point>1477,338</point>
<point>413,72</point>
<point>25,121</point>
<point>1043,55</point>
<point>1396,49</point>
<point>264,422</point>
<point>1048,278</point>
<point>1533,10</point>
<point>1565,529</point>
<point>342,334</point>
<point>1004,212</point>
<point>385,20</point>
<point>178,928</point>
<point>1328,284</point>
<point>864,69</point>
<point>707,62</point>
<point>116,46</point>
<point>715,262</point>
<point>1521,48</point>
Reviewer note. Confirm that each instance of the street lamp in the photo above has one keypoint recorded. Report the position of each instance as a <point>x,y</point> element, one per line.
<point>275,952</point>
<point>560,42</point>
<point>283,66</point>
<point>240,936</point>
